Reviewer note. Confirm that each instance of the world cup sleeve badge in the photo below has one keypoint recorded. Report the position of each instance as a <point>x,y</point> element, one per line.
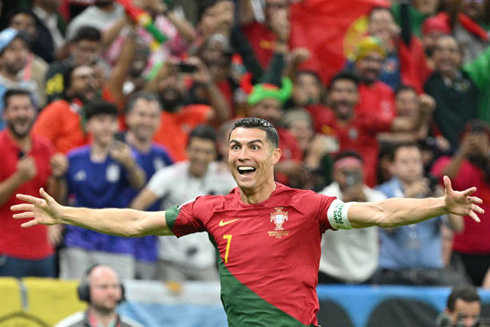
<point>279,217</point>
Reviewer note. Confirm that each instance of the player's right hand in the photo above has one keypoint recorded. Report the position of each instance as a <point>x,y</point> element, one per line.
<point>43,211</point>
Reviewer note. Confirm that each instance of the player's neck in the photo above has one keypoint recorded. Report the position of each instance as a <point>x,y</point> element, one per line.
<point>257,195</point>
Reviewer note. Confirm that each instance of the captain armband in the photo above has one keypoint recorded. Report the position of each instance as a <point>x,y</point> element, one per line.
<point>337,214</point>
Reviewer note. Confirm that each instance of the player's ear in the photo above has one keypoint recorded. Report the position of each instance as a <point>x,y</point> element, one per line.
<point>276,155</point>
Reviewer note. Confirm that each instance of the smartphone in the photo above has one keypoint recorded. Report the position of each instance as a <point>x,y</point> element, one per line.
<point>121,137</point>
<point>353,178</point>
<point>186,68</point>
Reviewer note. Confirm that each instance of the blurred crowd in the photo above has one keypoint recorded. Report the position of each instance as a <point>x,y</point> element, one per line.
<point>120,104</point>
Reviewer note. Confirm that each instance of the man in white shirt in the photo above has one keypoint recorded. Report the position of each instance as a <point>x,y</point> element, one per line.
<point>349,256</point>
<point>191,257</point>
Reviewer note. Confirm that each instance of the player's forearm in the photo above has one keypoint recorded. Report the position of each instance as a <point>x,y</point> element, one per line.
<point>396,212</point>
<point>120,222</point>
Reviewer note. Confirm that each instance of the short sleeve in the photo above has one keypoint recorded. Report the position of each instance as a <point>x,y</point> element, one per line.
<point>186,218</point>
<point>324,203</point>
<point>160,182</point>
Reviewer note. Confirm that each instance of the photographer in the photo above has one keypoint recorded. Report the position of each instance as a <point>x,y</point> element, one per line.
<point>462,309</point>
<point>471,165</point>
<point>412,255</point>
<point>349,256</point>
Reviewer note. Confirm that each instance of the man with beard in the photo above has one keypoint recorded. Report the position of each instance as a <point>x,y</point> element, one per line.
<point>357,130</point>
<point>471,164</point>
<point>14,52</point>
<point>99,15</point>
<point>178,119</point>
<point>102,289</point>
<point>63,121</point>
<point>84,48</point>
<point>28,163</point>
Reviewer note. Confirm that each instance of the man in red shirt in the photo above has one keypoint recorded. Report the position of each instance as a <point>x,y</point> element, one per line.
<point>470,165</point>
<point>28,163</point>
<point>267,235</point>
<point>356,129</point>
<point>61,121</point>
<point>376,97</point>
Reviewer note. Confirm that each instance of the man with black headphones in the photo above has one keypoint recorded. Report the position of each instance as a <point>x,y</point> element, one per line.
<point>103,291</point>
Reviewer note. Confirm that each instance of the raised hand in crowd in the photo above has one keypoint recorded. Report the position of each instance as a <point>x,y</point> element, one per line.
<point>26,168</point>
<point>59,165</point>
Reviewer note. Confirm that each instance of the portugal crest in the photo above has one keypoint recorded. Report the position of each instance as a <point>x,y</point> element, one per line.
<point>278,218</point>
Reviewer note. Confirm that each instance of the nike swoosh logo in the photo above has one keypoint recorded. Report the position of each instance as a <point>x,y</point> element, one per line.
<point>223,223</point>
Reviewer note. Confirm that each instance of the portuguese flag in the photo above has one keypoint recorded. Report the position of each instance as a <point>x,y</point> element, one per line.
<point>329,29</point>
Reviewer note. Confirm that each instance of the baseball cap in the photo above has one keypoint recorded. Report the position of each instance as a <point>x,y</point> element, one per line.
<point>8,35</point>
<point>435,23</point>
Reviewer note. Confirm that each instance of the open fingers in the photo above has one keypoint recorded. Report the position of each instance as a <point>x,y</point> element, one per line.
<point>29,198</point>
<point>30,223</point>
<point>22,207</point>
<point>474,199</point>
<point>469,191</point>
<point>477,209</point>
<point>474,216</point>
<point>447,184</point>
<point>23,215</point>
<point>45,195</point>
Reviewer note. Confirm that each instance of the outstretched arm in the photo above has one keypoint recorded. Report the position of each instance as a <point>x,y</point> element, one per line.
<point>120,222</point>
<point>398,212</point>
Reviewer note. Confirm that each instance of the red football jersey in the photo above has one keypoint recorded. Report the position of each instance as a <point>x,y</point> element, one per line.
<point>269,252</point>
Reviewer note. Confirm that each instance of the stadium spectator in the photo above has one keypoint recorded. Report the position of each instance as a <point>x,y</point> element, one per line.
<point>405,61</point>
<point>358,130</point>
<point>97,176</point>
<point>453,89</point>
<point>349,256</point>
<point>376,97</point>
<point>177,117</point>
<point>100,14</point>
<point>143,118</point>
<point>263,35</point>
<point>412,255</point>
<point>102,289</point>
<point>463,308</point>
<point>433,28</point>
<point>470,165</point>
<point>469,23</point>
<point>63,121</point>
<point>28,163</point>
<point>178,30</point>
<point>266,102</point>
<point>50,28</point>
<point>191,257</point>
<point>84,49</point>
<point>267,235</point>
<point>14,52</point>
<point>419,12</point>
<point>35,69</point>
<point>315,148</point>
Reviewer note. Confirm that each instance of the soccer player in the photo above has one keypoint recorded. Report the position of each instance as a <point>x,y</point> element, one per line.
<point>267,235</point>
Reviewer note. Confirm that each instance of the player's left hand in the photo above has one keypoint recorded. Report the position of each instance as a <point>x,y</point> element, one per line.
<point>461,202</point>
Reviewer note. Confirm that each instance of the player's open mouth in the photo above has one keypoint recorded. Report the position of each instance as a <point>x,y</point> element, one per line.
<point>245,170</point>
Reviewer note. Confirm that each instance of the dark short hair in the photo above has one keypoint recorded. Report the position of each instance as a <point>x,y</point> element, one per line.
<point>466,292</point>
<point>18,11</point>
<point>99,107</point>
<point>345,75</point>
<point>398,146</point>
<point>348,154</point>
<point>403,88</point>
<point>203,131</point>
<point>315,75</point>
<point>144,95</point>
<point>87,33</point>
<point>262,124</point>
<point>15,92</point>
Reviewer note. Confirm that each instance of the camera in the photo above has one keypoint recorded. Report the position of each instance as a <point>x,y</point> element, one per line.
<point>186,68</point>
<point>353,178</point>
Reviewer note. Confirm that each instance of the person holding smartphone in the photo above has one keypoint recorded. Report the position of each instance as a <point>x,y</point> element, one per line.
<point>349,256</point>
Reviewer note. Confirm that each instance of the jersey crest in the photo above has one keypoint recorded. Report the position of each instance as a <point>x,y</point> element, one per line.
<point>279,217</point>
